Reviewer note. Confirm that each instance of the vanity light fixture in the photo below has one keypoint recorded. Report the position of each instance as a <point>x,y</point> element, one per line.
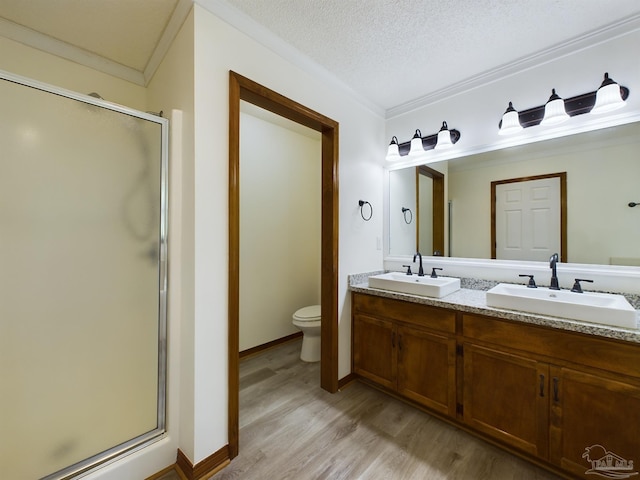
<point>444,138</point>
<point>416,148</point>
<point>393,152</point>
<point>510,121</point>
<point>418,145</point>
<point>554,110</point>
<point>609,96</point>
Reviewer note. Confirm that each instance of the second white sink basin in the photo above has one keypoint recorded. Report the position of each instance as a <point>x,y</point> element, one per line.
<point>415,285</point>
<point>605,308</point>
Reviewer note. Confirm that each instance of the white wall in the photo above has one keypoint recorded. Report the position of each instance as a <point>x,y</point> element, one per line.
<point>172,90</point>
<point>280,225</point>
<point>218,49</point>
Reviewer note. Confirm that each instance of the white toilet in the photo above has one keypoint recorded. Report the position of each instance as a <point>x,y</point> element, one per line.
<point>308,320</point>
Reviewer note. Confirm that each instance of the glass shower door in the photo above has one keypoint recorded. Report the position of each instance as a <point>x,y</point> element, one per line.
<point>82,280</point>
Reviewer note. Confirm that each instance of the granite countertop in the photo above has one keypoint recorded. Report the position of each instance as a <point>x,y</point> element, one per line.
<point>475,301</point>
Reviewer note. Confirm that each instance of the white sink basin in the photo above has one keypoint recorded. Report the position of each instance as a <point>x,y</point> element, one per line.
<point>415,285</point>
<point>605,308</point>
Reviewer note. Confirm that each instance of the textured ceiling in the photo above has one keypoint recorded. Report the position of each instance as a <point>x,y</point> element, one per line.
<point>396,51</point>
<point>390,52</point>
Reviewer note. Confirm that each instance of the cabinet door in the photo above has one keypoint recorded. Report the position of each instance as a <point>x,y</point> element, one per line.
<point>427,369</point>
<point>595,424</point>
<point>506,396</point>
<point>374,352</point>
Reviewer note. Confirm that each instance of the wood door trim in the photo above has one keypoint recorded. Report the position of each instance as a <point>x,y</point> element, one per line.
<point>563,209</point>
<point>241,88</point>
<point>438,207</point>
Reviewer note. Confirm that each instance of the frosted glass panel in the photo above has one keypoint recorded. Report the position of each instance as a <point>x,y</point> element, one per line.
<point>80,218</point>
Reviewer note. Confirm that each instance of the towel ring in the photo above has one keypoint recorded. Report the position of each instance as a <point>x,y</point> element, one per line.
<point>362,203</point>
<point>404,214</point>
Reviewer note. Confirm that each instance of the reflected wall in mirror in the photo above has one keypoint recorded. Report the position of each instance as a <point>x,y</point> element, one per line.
<point>403,225</point>
<point>416,211</point>
<point>602,169</point>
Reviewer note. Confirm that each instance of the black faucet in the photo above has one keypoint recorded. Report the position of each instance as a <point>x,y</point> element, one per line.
<point>554,276</point>
<point>420,270</point>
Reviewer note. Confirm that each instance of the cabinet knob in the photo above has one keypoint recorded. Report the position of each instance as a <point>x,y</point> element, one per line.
<point>556,394</point>
<point>542,385</point>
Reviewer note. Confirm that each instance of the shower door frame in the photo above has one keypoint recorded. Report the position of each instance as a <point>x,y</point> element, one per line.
<point>141,441</point>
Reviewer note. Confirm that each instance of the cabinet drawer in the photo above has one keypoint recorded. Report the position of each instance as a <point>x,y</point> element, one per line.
<point>578,348</point>
<point>406,312</point>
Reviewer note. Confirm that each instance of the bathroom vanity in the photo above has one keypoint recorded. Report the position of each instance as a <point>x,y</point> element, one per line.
<point>563,394</point>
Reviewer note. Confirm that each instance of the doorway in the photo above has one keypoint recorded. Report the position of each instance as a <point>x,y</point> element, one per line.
<point>241,88</point>
<point>529,217</point>
<point>280,238</point>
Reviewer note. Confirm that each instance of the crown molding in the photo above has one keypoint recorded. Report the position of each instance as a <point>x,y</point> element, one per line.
<point>48,44</point>
<point>179,15</point>
<point>268,39</point>
<point>590,39</point>
<point>53,46</point>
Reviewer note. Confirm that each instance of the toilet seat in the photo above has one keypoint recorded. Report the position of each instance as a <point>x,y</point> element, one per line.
<point>308,314</point>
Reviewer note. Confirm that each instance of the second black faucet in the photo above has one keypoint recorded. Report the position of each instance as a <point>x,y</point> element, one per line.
<point>554,276</point>
<point>420,270</point>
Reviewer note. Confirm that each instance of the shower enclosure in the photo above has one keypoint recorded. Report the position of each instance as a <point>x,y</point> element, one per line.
<point>82,280</point>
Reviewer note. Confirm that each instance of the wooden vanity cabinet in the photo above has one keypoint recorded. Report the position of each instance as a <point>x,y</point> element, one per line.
<point>598,411</point>
<point>407,348</point>
<point>506,396</point>
<point>564,397</point>
<point>374,349</point>
<point>426,368</point>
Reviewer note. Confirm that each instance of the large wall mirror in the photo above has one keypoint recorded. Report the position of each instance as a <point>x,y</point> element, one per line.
<point>602,169</point>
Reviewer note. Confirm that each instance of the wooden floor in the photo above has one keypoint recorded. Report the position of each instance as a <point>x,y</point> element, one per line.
<point>292,429</point>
